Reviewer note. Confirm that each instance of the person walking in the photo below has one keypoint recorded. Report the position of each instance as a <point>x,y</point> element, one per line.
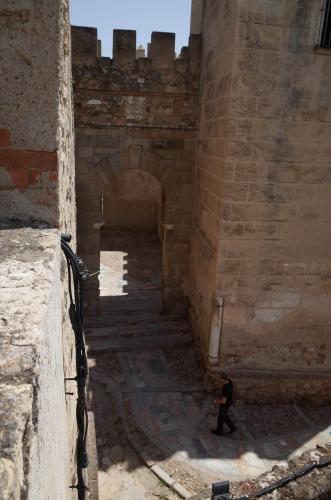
<point>225,401</point>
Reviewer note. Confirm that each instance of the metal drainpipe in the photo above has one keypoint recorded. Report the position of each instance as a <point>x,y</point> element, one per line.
<point>166,228</point>
<point>215,331</point>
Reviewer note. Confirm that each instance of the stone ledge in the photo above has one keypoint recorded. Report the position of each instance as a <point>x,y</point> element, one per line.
<point>32,401</point>
<point>250,373</point>
<point>27,267</point>
<point>322,50</point>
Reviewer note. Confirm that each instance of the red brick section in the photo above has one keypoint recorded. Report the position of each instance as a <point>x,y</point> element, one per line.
<point>4,138</point>
<point>26,167</point>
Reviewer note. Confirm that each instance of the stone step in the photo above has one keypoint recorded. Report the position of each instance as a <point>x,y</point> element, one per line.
<point>125,330</point>
<point>116,318</point>
<point>146,342</point>
<point>124,303</point>
<point>108,305</point>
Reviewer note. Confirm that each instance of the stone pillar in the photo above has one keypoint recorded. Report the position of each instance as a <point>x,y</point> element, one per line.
<point>37,189</point>
<point>36,121</point>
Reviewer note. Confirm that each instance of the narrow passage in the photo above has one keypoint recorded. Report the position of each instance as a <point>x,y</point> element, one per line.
<point>153,412</point>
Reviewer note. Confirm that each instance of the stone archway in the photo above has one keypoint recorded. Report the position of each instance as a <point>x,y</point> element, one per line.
<point>161,159</point>
<point>131,246</point>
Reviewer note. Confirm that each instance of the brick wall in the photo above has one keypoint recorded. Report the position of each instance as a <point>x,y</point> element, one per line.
<point>29,181</point>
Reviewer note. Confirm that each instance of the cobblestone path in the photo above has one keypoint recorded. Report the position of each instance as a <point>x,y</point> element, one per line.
<point>153,411</point>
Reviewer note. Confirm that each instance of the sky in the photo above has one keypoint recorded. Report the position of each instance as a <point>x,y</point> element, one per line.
<point>144,16</point>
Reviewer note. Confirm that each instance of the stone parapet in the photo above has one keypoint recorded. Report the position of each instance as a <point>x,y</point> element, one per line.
<point>124,48</point>
<point>86,45</point>
<point>160,52</point>
<point>37,423</point>
<point>34,451</point>
<point>162,49</point>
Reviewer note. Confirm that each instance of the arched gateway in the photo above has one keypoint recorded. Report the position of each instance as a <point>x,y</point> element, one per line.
<point>136,115</point>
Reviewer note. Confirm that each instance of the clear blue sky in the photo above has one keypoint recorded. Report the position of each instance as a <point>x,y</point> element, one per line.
<point>144,16</point>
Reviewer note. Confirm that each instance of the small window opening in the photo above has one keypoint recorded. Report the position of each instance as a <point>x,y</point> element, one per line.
<point>325,29</point>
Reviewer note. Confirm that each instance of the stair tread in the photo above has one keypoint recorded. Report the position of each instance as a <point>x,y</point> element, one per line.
<point>128,318</point>
<point>139,329</point>
<point>140,343</point>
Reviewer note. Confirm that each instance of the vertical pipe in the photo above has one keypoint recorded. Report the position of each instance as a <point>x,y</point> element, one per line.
<point>215,331</point>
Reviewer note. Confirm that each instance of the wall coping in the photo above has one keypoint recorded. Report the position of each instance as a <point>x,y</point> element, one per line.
<point>30,306</point>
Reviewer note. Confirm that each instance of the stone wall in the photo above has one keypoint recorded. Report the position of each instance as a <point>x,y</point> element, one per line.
<point>216,73</point>
<point>34,458</point>
<point>263,192</point>
<point>36,189</point>
<point>36,126</point>
<point>132,202</point>
<point>137,114</point>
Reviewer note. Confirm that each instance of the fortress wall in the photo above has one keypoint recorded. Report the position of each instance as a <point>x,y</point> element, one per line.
<point>37,453</point>
<point>137,113</point>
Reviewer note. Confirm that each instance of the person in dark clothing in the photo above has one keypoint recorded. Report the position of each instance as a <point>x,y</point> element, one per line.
<point>225,401</point>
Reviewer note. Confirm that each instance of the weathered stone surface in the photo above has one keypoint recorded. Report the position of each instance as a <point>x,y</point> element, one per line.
<point>33,422</point>
<point>27,267</point>
<point>36,119</point>
<point>136,125</point>
<point>36,189</point>
<point>261,187</point>
<point>15,428</point>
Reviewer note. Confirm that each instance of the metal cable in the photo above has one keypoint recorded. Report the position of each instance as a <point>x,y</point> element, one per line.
<point>77,274</point>
<point>288,479</point>
<point>325,26</point>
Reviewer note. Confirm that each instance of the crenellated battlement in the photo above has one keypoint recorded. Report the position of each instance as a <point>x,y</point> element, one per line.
<point>85,47</point>
<point>86,50</point>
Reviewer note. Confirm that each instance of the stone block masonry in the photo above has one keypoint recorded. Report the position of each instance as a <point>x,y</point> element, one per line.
<point>37,421</point>
<point>36,120</point>
<point>137,114</point>
<point>263,194</point>
<point>34,452</point>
